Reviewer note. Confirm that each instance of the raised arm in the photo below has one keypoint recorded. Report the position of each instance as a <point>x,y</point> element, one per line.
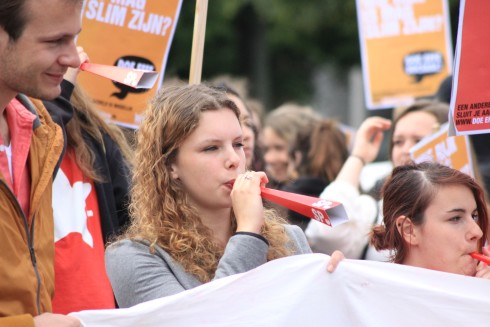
<point>367,143</point>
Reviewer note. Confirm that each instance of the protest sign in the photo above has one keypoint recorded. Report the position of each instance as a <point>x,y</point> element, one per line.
<point>133,34</point>
<point>298,291</point>
<point>406,49</point>
<point>451,151</point>
<point>470,97</point>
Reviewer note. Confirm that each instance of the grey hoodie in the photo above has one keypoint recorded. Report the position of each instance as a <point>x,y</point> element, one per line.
<point>138,276</point>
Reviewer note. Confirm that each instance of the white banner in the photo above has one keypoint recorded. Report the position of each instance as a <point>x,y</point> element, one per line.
<point>297,291</point>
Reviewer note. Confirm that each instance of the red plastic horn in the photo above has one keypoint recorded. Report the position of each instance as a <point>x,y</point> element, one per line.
<point>135,78</point>
<point>328,212</point>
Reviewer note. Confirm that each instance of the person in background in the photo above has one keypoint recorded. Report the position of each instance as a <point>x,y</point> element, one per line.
<point>90,199</point>
<point>412,124</point>
<point>351,237</point>
<point>257,110</point>
<point>37,46</point>
<point>283,126</point>
<point>318,157</point>
<point>197,215</point>
<point>434,218</point>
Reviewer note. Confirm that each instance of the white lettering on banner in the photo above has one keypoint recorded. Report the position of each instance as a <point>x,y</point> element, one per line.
<point>116,13</point>
<point>154,24</point>
<point>426,156</point>
<point>131,79</point>
<point>126,63</point>
<point>426,24</point>
<point>445,150</point>
<point>134,65</point>
<point>324,204</point>
<point>423,63</point>
<point>135,4</point>
<point>144,66</point>
<point>318,215</point>
<point>384,18</point>
<point>477,120</point>
<point>113,15</point>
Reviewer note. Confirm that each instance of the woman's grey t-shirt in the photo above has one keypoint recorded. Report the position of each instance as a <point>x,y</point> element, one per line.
<point>138,276</point>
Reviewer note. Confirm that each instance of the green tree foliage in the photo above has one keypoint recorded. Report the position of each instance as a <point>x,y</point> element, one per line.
<point>276,44</point>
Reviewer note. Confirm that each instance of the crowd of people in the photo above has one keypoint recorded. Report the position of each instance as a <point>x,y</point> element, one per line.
<point>183,207</point>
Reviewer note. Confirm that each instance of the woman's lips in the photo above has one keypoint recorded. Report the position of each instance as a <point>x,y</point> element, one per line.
<point>229,184</point>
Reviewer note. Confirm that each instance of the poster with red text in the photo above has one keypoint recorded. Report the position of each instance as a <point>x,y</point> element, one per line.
<point>470,97</point>
<point>134,34</point>
<point>451,151</point>
<point>406,49</point>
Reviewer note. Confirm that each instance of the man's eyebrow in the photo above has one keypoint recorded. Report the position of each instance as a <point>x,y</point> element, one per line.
<point>60,36</point>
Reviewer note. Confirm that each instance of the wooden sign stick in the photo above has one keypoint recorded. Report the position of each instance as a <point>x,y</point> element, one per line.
<point>198,41</point>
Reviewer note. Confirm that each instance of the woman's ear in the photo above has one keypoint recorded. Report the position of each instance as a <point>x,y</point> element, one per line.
<point>173,172</point>
<point>406,229</point>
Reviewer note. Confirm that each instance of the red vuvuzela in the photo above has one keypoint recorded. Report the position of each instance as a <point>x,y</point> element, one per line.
<point>328,212</point>
<point>135,78</point>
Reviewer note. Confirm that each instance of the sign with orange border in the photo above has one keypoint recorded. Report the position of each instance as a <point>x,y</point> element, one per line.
<point>134,34</point>
<point>470,97</point>
<point>452,151</point>
<point>406,49</point>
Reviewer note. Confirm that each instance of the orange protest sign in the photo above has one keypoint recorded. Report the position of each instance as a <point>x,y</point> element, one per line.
<point>132,34</point>
<point>452,151</point>
<point>406,49</point>
<point>470,98</point>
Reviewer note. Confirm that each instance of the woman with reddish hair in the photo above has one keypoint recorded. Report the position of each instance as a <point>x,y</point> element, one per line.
<point>434,218</point>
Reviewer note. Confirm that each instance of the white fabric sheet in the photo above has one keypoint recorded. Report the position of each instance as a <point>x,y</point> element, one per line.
<point>297,291</point>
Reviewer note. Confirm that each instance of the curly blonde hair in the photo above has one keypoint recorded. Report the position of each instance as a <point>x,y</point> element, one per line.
<point>161,211</point>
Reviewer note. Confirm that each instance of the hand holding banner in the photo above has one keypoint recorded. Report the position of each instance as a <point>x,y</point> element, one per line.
<point>136,78</point>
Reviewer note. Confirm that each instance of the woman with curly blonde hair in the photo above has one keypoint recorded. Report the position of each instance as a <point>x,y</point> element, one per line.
<point>196,214</point>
